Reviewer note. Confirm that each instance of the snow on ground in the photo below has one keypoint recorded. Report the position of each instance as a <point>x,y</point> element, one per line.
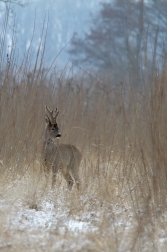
<point>46,218</point>
<point>51,225</point>
<point>37,226</point>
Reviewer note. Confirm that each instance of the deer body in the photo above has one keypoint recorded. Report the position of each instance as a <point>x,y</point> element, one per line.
<point>64,158</point>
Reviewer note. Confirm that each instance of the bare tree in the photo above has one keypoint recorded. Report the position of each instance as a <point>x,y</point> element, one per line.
<point>19,2</point>
<point>122,36</point>
<point>7,5</point>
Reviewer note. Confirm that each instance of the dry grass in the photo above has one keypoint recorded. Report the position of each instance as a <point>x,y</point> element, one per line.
<point>122,134</point>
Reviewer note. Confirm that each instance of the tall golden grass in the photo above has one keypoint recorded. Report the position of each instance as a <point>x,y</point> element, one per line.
<point>120,130</point>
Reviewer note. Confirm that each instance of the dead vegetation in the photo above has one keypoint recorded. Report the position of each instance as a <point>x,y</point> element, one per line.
<point>122,137</point>
<point>121,131</point>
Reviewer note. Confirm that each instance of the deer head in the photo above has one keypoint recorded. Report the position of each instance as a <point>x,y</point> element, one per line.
<point>52,127</point>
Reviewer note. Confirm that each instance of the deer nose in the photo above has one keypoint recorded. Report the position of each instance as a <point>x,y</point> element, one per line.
<point>58,135</point>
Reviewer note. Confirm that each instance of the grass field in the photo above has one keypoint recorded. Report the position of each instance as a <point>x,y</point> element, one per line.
<point>121,132</point>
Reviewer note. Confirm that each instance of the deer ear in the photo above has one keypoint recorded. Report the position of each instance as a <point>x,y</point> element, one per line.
<point>47,120</point>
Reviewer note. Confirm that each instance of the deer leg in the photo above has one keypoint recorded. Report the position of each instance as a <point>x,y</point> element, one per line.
<point>54,174</point>
<point>75,175</point>
<point>54,180</point>
<point>73,169</point>
<point>68,179</point>
<point>46,169</point>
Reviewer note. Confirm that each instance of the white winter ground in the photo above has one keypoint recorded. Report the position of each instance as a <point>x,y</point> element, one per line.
<point>34,227</point>
<point>52,224</point>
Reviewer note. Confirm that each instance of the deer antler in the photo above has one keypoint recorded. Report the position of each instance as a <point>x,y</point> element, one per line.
<point>52,117</point>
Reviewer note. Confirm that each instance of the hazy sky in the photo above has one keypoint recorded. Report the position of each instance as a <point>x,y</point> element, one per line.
<point>65,17</point>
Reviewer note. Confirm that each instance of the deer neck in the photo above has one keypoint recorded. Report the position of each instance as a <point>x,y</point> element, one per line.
<point>48,142</point>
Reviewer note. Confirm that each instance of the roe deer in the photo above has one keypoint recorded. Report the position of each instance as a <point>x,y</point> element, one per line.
<point>64,158</point>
